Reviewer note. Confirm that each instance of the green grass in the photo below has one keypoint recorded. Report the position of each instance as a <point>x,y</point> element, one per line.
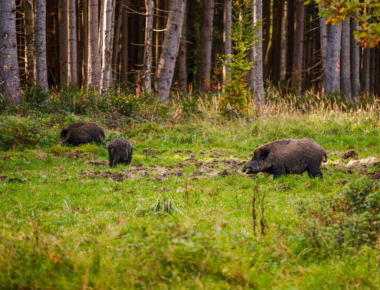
<point>64,226</point>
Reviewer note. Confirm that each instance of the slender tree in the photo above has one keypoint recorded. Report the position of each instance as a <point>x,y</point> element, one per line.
<point>206,45</point>
<point>299,45</point>
<point>182,73</point>
<point>290,39</point>
<point>124,47</point>
<point>366,70</point>
<point>63,40</point>
<point>324,37</point>
<point>73,45</point>
<point>9,68</point>
<point>93,78</point>
<point>41,58</point>
<point>227,37</point>
<point>332,72</point>
<point>29,37</point>
<point>345,60</point>
<point>170,48</point>
<point>258,58</point>
<point>105,82</point>
<point>116,44</point>
<point>149,6</point>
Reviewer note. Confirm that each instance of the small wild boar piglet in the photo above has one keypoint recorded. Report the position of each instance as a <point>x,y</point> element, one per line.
<point>119,151</point>
<point>82,133</point>
<point>287,156</point>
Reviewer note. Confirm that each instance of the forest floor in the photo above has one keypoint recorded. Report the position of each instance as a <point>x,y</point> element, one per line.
<point>180,216</point>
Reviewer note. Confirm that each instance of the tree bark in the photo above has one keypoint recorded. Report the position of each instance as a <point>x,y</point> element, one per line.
<point>258,58</point>
<point>227,37</point>
<point>41,58</point>
<point>85,26</point>
<point>298,49</point>
<point>332,72</point>
<point>170,47</point>
<point>149,6</point>
<point>324,38</point>
<point>355,62</point>
<point>372,70</point>
<point>206,45</point>
<point>116,44</point>
<point>93,78</point>
<point>63,40</point>
<point>124,48</point>
<point>345,60</point>
<point>100,31</point>
<point>277,45</point>
<point>29,34</point>
<point>366,71</point>
<point>73,45</point>
<point>105,82</point>
<point>267,34</point>
<point>9,68</point>
<point>182,73</point>
<point>290,40</point>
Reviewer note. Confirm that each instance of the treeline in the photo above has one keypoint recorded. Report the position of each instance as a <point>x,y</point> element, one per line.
<point>175,45</point>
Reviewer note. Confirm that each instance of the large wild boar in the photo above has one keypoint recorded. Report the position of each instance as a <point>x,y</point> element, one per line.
<point>82,133</point>
<point>119,151</point>
<point>288,156</point>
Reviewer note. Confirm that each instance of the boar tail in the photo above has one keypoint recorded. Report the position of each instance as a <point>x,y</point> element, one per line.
<point>326,157</point>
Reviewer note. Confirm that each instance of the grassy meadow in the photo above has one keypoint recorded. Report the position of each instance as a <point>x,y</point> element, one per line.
<point>181,215</point>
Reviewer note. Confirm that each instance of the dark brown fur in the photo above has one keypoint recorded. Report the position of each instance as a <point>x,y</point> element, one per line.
<point>82,133</point>
<point>119,151</point>
<point>288,156</point>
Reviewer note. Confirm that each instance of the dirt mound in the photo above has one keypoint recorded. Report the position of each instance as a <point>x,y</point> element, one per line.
<point>3,177</point>
<point>375,174</point>
<point>106,174</point>
<point>370,161</point>
<point>350,154</point>
<point>15,180</point>
<point>75,154</point>
<point>224,173</point>
<point>58,168</point>
<point>98,163</point>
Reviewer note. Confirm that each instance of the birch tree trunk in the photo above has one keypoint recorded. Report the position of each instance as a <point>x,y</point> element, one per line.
<point>182,73</point>
<point>105,82</point>
<point>345,60</point>
<point>9,68</point>
<point>149,6</point>
<point>298,49</point>
<point>124,48</point>
<point>100,31</point>
<point>258,58</point>
<point>29,35</point>
<point>63,40</point>
<point>290,40</point>
<point>324,38</point>
<point>251,52</point>
<point>227,40</point>
<point>116,44</point>
<point>41,58</point>
<point>93,77</point>
<point>73,46</point>
<point>332,72</point>
<point>206,45</point>
<point>170,47</point>
<point>85,26</point>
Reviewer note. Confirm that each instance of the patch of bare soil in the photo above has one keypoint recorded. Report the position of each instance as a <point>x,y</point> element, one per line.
<point>98,163</point>
<point>75,154</point>
<point>163,189</point>
<point>58,168</point>
<point>375,174</point>
<point>15,180</point>
<point>3,177</point>
<point>99,174</point>
<point>370,161</point>
<point>176,151</point>
<point>224,173</point>
<point>41,156</point>
<point>350,154</point>
<point>334,152</point>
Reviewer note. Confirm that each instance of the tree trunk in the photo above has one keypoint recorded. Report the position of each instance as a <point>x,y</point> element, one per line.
<point>267,34</point>
<point>355,62</point>
<point>124,48</point>
<point>85,26</point>
<point>250,54</point>
<point>100,31</point>
<point>63,40</point>
<point>182,73</point>
<point>345,60</point>
<point>258,58</point>
<point>372,70</point>
<point>149,6</point>
<point>73,48</point>
<point>170,47</point>
<point>298,49</point>
<point>206,45</point>
<point>227,36</point>
<point>41,58</point>
<point>276,69</point>
<point>324,38</point>
<point>290,40</point>
<point>9,68</point>
<point>29,34</point>
<point>332,72</point>
<point>116,44</point>
<point>93,78</point>
<point>366,70</point>
<point>105,82</point>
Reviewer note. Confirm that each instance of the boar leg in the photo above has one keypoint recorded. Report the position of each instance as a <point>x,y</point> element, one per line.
<point>315,172</point>
<point>277,172</point>
<point>111,160</point>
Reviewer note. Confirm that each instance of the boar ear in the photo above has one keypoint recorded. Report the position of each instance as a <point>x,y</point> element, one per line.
<point>63,133</point>
<point>263,154</point>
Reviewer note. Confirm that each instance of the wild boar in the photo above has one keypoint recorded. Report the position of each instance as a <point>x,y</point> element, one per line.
<point>82,133</point>
<point>287,156</point>
<point>119,151</point>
